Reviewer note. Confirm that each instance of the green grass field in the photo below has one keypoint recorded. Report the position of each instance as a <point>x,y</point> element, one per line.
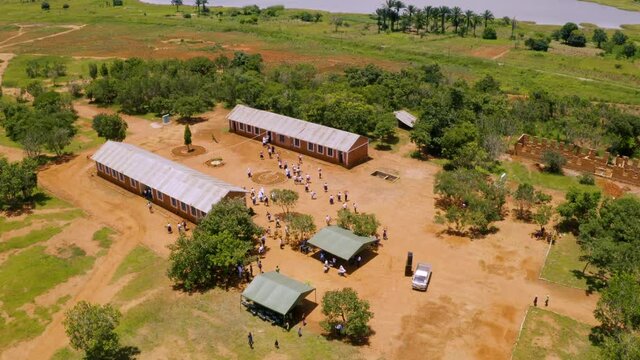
<point>103,237</point>
<point>563,265</point>
<point>31,238</point>
<point>519,173</point>
<point>547,335</point>
<point>139,29</point>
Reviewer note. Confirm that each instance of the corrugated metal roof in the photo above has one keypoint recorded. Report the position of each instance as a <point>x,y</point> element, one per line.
<point>340,242</point>
<point>405,118</point>
<point>276,291</point>
<point>299,129</point>
<point>175,180</point>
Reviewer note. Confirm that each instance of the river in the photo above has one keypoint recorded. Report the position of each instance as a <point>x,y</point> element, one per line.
<point>553,12</point>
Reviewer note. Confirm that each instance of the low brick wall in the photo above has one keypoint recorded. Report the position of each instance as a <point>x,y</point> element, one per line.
<point>618,168</point>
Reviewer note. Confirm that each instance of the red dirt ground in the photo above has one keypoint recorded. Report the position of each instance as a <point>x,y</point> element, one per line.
<point>478,294</point>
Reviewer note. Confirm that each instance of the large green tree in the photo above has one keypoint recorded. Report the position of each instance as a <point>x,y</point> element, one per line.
<point>285,198</point>
<point>343,309</point>
<point>18,181</point>
<point>580,205</point>
<point>232,216</point>
<point>110,126</point>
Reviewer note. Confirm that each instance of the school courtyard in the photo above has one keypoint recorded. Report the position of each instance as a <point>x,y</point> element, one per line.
<point>479,291</point>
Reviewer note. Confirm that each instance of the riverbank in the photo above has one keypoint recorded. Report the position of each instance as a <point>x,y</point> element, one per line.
<point>630,5</point>
<point>597,12</point>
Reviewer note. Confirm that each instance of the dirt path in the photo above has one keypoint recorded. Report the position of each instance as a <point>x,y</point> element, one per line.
<point>501,54</point>
<point>20,32</point>
<point>5,62</point>
<point>70,27</point>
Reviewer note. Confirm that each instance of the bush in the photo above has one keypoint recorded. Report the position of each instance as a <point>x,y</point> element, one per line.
<point>252,20</point>
<point>537,44</point>
<point>489,34</point>
<point>619,37</point>
<point>553,162</point>
<point>118,2</point>
<point>186,16</point>
<point>587,179</point>
<point>629,50</point>
<point>65,6</point>
<point>577,39</point>
<point>45,6</point>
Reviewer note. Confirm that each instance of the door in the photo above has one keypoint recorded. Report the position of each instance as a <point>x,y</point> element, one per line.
<point>340,157</point>
<point>233,126</point>
<point>269,136</point>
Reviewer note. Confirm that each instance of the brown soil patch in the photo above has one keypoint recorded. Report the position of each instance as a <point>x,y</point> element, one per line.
<point>268,177</point>
<point>610,188</point>
<point>184,151</point>
<point>490,52</point>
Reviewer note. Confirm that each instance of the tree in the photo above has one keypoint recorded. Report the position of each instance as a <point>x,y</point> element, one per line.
<point>187,106</point>
<point>525,198</point>
<point>57,139</point>
<point>361,224</point>
<point>346,314</point>
<point>284,198</point>
<point>18,181</point>
<point>553,161</point>
<point>104,70</point>
<point>205,260</point>
<point>110,127</point>
<point>456,14</point>
<point>579,205</point>
<point>385,129</point>
<point>336,22</point>
<point>629,50</point>
<point>543,215</point>
<point>232,216</point>
<point>577,39</point>
<point>618,309</point>
<point>599,37</point>
<point>487,16</point>
<point>93,70</point>
<point>566,30</point>
<point>619,38</point>
<point>489,33</point>
<point>177,4</point>
<point>187,137</point>
<point>301,225</point>
<point>45,6</point>
<point>537,43</point>
<point>91,328</point>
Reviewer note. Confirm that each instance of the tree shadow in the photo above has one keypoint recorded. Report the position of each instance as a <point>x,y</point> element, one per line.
<point>126,353</point>
<point>595,282</point>
<point>337,336</point>
<point>190,120</point>
<point>26,208</point>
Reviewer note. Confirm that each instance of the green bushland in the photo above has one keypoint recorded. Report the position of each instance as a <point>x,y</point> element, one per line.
<point>103,237</point>
<point>546,335</point>
<point>31,238</point>
<point>26,275</point>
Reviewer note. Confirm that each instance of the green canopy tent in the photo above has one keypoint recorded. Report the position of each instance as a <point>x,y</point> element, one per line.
<point>340,242</point>
<point>276,292</point>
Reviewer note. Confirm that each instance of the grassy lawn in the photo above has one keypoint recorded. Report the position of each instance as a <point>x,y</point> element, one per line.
<point>563,264</point>
<point>16,76</point>
<point>5,141</point>
<point>547,335</point>
<point>103,237</point>
<point>31,238</point>
<point>620,4</point>
<point>26,275</point>
<point>86,138</point>
<point>519,173</point>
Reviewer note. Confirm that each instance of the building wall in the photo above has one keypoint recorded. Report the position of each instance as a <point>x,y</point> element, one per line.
<point>616,168</point>
<point>350,159</point>
<point>158,198</point>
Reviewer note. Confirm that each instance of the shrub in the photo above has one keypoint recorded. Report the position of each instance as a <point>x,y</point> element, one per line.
<point>629,50</point>
<point>65,6</point>
<point>45,6</point>
<point>537,44</point>
<point>553,162</point>
<point>587,179</point>
<point>619,37</point>
<point>118,2</point>
<point>577,39</point>
<point>489,34</point>
<point>186,16</point>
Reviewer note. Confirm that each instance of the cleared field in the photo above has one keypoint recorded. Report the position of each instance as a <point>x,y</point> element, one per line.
<point>547,335</point>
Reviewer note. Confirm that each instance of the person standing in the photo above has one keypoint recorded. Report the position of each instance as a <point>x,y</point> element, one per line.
<point>355,207</point>
<point>261,155</point>
<point>150,207</point>
<point>260,266</point>
<point>276,344</point>
<point>330,199</point>
<point>346,195</point>
<point>169,228</point>
<point>277,268</point>
<point>384,234</point>
<point>358,260</point>
<point>339,196</point>
<point>535,301</point>
<point>546,301</point>
<point>249,173</point>
<point>327,219</point>
<point>250,340</point>
<point>281,244</point>
<point>299,331</point>
<point>325,187</point>
<point>319,173</point>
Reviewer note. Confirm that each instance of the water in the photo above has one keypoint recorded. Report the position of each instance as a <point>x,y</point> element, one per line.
<point>554,12</point>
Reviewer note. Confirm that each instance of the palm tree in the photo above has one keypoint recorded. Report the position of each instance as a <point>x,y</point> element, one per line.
<point>198,2</point>
<point>477,19</point>
<point>411,10</point>
<point>419,20</point>
<point>456,12</point>
<point>444,12</point>
<point>488,16</point>
<point>204,2</point>
<point>388,8</point>
<point>381,15</point>
<point>468,15</point>
<point>435,14</point>
<point>399,5</point>
<point>428,10</point>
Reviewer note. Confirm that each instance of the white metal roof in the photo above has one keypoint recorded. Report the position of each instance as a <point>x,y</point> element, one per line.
<point>175,180</point>
<point>405,117</point>
<point>295,128</point>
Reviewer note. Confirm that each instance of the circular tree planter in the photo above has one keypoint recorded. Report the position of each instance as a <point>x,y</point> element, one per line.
<point>268,178</point>
<point>214,163</point>
<point>183,151</point>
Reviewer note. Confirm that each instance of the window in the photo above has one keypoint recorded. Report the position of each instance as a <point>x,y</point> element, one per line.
<point>310,146</point>
<point>183,206</point>
<point>121,177</point>
<point>296,142</point>
<point>99,166</point>
<point>256,130</point>
<point>330,152</point>
<point>320,149</point>
<point>241,126</point>
<point>281,138</point>
<point>159,195</point>
<point>174,202</point>
<point>249,129</point>
<point>193,211</point>
<point>133,183</point>
<point>114,173</point>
